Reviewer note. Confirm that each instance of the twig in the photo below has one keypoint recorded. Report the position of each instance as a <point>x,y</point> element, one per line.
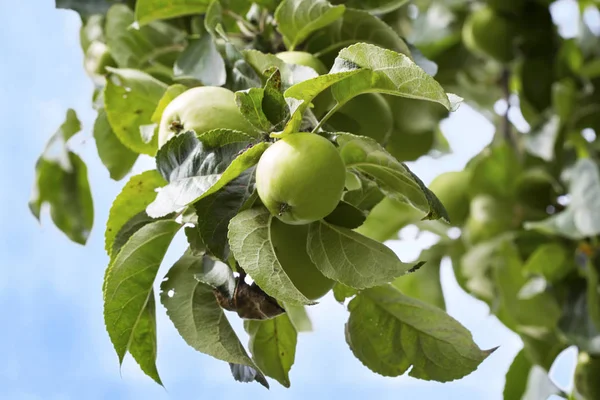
<point>506,126</point>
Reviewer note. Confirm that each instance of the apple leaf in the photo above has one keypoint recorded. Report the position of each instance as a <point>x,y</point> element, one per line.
<point>196,169</point>
<point>346,215</point>
<point>250,242</point>
<point>117,158</point>
<point>297,19</point>
<point>216,211</point>
<point>130,98</point>
<point>291,74</point>
<point>273,346</point>
<point>375,6</point>
<point>135,196</point>
<point>128,288</point>
<point>576,322</point>
<point>246,374</point>
<point>355,26</point>
<point>299,317</point>
<point>139,48</point>
<point>387,218</point>
<point>87,8</point>
<point>495,172</point>
<point>581,218</point>
<point>250,103</point>
<point>366,197</point>
<point>341,292</point>
<point>550,260</point>
<point>61,181</point>
<point>150,10</point>
<point>201,63</point>
<point>365,156</point>
<point>170,94</point>
<point>388,332</point>
<point>385,71</point>
<point>351,258</point>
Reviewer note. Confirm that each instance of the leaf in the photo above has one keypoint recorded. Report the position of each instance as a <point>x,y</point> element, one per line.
<point>544,349</point>
<point>355,26</point>
<point>297,19</point>
<point>150,45</point>
<point>273,346</point>
<point>385,71</point>
<point>250,104</point>
<point>135,196</point>
<point>541,140</point>
<point>341,292</point>
<point>365,156</point>
<point>299,317</point>
<point>388,332</point>
<point>551,261</point>
<point>250,242</point>
<point>201,63</point>
<point>61,181</point>
<point>351,258</point>
<point>128,287</point>
<point>495,172</point>
<point>376,6</point>
<point>170,94</point>
<point>581,218</point>
<point>87,8</point>
<point>576,322</point>
<point>366,197</point>
<point>539,313</point>
<point>424,284</point>
<point>193,309</point>
<point>346,215</point>
<point>143,346</point>
<point>291,74</point>
<point>150,10</point>
<point>195,169</point>
<point>117,158</point>
<point>274,103</point>
<point>525,381</point>
<point>130,98</point>
<point>387,218</point>
<point>216,211</point>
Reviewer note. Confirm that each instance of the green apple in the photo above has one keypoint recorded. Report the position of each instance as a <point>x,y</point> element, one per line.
<point>415,116</point>
<point>301,178</point>
<point>289,242</point>
<point>408,146</point>
<point>488,217</point>
<point>452,190</point>
<point>586,380</point>
<point>324,100</point>
<point>202,109</point>
<point>368,115</point>
<point>489,33</point>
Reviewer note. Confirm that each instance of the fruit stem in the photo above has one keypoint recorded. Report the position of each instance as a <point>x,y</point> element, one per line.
<point>326,117</point>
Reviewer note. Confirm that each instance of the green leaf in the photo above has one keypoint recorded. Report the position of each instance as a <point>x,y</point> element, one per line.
<point>274,103</point>
<point>542,139</point>
<point>539,313</point>
<point>553,261</point>
<point>197,169</point>
<point>87,8</point>
<point>355,26</point>
<point>388,332</point>
<point>365,156</point>
<point>299,317</point>
<point>375,6</point>
<point>385,71</point>
<point>297,19</point>
<point>341,292</point>
<point>216,211</point>
<point>130,98</point>
<point>366,197</point>
<point>291,74</point>
<point>170,94</point>
<point>195,313</point>
<point>525,381</point>
<point>61,181</point>
<point>250,242</point>
<point>495,173</point>
<point>117,158</point>
<point>424,284</point>
<point>351,258</point>
<point>245,374</point>
<point>135,196</point>
<point>201,63</point>
<point>544,349</point>
<point>581,218</point>
<point>143,346</point>
<point>150,10</point>
<point>273,346</point>
<point>128,288</point>
<point>250,104</point>
<point>577,322</point>
<point>387,218</point>
<point>346,215</point>
<point>153,44</point>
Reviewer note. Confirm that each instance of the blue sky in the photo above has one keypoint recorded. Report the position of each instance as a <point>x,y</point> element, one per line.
<point>53,344</point>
